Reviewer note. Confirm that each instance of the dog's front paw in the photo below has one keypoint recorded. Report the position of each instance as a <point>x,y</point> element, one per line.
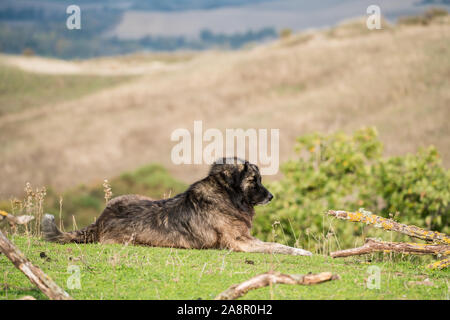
<point>301,252</point>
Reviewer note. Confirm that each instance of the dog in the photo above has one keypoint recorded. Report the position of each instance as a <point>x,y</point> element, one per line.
<point>213,213</point>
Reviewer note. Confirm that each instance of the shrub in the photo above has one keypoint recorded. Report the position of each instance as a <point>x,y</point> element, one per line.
<point>425,18</point>
<point>434,13</point>
<point>27,52</point>
<point>345,172</point>
<point>417,186</point>
<point>285,33</point>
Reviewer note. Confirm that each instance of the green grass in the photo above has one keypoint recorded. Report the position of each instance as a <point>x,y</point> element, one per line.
<point>132,272</point>
<point>21,90</point>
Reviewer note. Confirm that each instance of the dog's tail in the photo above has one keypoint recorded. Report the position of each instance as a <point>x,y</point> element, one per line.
<point>53,234</point>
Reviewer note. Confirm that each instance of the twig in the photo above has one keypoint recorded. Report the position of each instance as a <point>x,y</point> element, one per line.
<point>390,225</point>
<point>441,264</point>
<point>269,278</point>
<point>27,298</point>
<point>373,245</point>
<point>35,274</point>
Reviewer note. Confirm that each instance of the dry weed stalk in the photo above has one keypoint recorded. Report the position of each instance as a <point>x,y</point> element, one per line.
<point>107,190</point>
<point>61,225</point>
<point>31,208</point>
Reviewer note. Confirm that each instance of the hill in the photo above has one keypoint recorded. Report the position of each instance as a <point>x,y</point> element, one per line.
<point>126,26</point>
<point>342,78</point>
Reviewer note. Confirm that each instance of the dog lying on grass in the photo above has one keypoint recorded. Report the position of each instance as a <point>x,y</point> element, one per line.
<point>214,213</point>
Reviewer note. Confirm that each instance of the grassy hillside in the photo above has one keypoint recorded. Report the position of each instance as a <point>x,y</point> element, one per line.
<point>130,272</point>
<point>395,79</point>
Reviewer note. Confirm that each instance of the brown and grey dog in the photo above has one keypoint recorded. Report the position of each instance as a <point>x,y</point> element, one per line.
<point>214,213</point>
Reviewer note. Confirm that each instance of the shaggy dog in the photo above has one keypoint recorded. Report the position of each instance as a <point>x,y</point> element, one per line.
<point>214,213</point>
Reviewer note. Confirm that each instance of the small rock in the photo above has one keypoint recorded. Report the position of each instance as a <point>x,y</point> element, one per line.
<point>249,261</point>
<point>44,256</point>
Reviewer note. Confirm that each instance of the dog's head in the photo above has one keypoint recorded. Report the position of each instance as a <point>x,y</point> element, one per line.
<point>243,178</point>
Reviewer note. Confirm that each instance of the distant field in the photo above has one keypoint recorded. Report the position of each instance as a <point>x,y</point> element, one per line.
<point>130,272</point>
<point>344,78</point>
<point>21,91</point>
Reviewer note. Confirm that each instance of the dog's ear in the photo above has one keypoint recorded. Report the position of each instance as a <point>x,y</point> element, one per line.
<point>246,165</point>
<point>227,164</point>
<point>240,172</point>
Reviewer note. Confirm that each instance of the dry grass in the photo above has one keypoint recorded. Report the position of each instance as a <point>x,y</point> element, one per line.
<point>395,79</point>
<point>31,205</point>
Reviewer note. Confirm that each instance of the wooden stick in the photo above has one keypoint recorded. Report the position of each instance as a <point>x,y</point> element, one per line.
<point>13,219</point>
<point>27,298</point>
<point>441,264</point>
<point>390,225</point>
<point>268,278</point>
<point>35,274</point>
<point>373,245</point>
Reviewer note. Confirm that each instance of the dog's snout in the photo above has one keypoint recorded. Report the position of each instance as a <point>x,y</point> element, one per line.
<point>270,197</point>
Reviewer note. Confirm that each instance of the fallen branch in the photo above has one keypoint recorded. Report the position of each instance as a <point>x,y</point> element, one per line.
<point>269,278</point>
<point>373,245</point>
<point>27,298</point>
<point>390,225</point>
<point>13,219</point>
<point>441,264</point>
<point>35,274</point>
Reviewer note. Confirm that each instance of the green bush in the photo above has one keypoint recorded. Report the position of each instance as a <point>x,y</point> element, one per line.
<point>345,172</point>
<point>417,186</point>
<point>285,33</point>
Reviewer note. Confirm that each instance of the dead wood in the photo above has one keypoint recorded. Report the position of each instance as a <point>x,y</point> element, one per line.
<point>269,278</point>
<point>35,274</point>
<point>441,264</point>
<point>391,225</point>
<point>373,245</point>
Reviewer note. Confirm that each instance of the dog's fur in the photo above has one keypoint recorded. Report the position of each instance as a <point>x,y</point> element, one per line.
<point>215,212</point>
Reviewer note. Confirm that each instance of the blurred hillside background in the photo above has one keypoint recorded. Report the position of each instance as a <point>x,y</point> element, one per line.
<point>79,106</point>
<point>111,27</point>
